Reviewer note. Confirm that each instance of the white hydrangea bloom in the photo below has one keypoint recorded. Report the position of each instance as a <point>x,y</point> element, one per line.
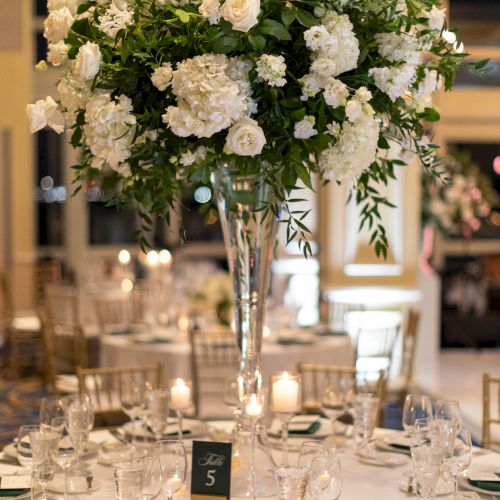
<point>57,53</point>
<point>310,86</point>
<point>394,81</point>
<point>238,69</point>
<point>324,67</point>
<point>88,61</point>
<point>429,84</point>
<point>436,18</point>
<point>335,93</point>
<point>272,69</point>
<point>210,10</point>
<point>345,51</point>
<point>362,94</point>
<point>305,128</point>
<point>71,5</point>
<point>162,76</point>
<point>109,130</point>
<point>317,37</point>
<point>208,99</point>
<point>354,151</point>
<point>45,112</point>
<point>333,129</point>
<point>353,110</point>
<point>73,95</point>
<point>117,17</point>
<point>57,25</point>
<point>398,47</point>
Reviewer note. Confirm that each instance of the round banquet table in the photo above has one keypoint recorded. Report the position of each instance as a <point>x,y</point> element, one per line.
<point>360,481</point>
<point>122,350</point>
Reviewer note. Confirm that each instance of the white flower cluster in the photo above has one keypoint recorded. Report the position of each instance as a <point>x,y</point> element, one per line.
<point>394,81</point>
<point>242,14</point>
<point>210,10</point>
<point>162,76</point>
<point>398,47</point>
<point>305,128</point>
<point>436,18</point>
<point>57,53</point>
<point>208,98</point>
<point>245,138</point>
<point>57,24</point>
<point>116,18</point>
<point>73,95</point>
<point>109,130</point>
<point>192,157</point>
<point>430,83</point>
<point>45,112</point>
<point>272,69</point>
<point>354,151</point>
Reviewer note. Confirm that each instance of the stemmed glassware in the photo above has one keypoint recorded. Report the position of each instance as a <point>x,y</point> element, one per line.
<point>156,411</point>
<point>460,456</point>
<point>285,403</point>
<point>50,408</point>
<point>427,463</point>
<point>180,398</point>
<point>449,409</point>
<point>32,449</point>
<point>132,403</point>
<point>365,417</point>
<point>333,404</point>
<point>151,479</point>
<point>415,407</point>
<point>67,448</point>
<point>80,414</point>
<point>172,456</point>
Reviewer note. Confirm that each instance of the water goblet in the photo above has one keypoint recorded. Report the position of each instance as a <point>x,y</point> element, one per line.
<point>50,408</point>
<point>365,417</point>
<point>449,409</point>
<point>180,398</point>
<point>172,456</point>
<point>415,407</point>
<point>460,457</point>
<point>310,450</point>
<point>285,403</point>
<point>29,454</point>
<point>128,478</point>
<point>132,403</point>
<point>333,404</point>
<point>291,482</point>
<point>325,479</point>
<point>151,478</point>
<point>67,448</point>
<point>44,474</point>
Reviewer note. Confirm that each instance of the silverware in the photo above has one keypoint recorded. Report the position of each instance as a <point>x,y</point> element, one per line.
<point>120,435</point>
<point>89,483</point>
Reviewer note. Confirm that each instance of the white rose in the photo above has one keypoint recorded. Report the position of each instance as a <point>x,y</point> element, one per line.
<point>45,112</point>
<point>436,18</point>
<point>58,53</point>
<point>210,10</point>
<point>87,61</point>
<point>57,25</point>
<point>245,138</point>
<point>72,5</point>
<point>162,76</point>
<point>242,14</point>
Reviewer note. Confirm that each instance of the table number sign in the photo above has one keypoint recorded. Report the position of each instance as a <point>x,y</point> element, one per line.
<point>211,470</point>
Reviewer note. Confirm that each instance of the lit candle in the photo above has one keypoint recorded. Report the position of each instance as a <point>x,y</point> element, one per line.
<point>324,480</point>
<point>180,395</point>
<point>285,395</point>
<point>253,407</point>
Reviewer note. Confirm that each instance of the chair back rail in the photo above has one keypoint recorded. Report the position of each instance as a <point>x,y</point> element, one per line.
<point>491,410</point>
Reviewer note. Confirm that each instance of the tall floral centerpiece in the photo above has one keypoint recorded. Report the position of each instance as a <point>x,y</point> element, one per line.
<point>254,96</point>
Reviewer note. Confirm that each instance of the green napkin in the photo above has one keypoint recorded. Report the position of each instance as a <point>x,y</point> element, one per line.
<point>154,340</point>
<point>331,333</point>
<point>284,341</point>
<point>14,492</point>
<point>124,331</point>
<point>310,430</point>
<point>486,485</point>
<point>399,446</point>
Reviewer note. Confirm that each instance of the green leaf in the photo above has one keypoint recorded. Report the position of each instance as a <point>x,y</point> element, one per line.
<point>480,65</point>
<point>303,174</point>
<point>430,114</point>
<point>182,15</point>
<point>288,15</point>
<point>382,143</point>
<point>274,28</point>
<point>83,8</point>
<point>306,19</point>
<point>257,41</point>
<point>225,44</point>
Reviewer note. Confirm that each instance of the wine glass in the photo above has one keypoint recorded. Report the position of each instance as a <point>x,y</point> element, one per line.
<point>310,450</point>
<point>333,404</point>
<point>50,407</point>
<point>67,448</point>
<point>172,456</point>
<point>156,411</point>
<point>460,457</point>
<point>449,409</point>
<point>415,407</point>
<point>325,479</point>
<point>80,414</point>
<point>43,476</point>
<point>151,479</point>
<point>132,403</point>
<point>29,454</point>
<point>233,391</point>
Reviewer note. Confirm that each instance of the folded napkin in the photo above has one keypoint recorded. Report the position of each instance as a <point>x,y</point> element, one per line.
<point>486,485</point>
<point>13,492</point>
<point>313,427</point>
<point>293,341</point>
<point>185,432</point>
<point>331,333</point>
<point>124,331</point>
<point>153,340</point>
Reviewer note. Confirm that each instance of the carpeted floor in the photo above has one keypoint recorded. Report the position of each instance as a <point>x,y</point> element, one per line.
<point>19,405</point>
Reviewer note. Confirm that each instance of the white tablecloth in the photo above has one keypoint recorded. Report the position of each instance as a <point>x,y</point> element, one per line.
<point>360,481</point>
<point>118,350</point>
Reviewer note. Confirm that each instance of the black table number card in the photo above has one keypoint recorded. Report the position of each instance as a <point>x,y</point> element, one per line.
<point>211,469</point>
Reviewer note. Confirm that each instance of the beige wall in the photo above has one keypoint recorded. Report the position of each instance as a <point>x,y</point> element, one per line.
<point>15,92</point>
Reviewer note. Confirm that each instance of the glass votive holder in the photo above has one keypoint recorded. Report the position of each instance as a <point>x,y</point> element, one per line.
<point>128,478</point>
<point>365,417</point>
<point>291,482</point>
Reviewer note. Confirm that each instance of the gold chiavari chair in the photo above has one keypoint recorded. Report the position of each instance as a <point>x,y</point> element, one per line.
<point>104,387</point>
<point>316,377</point>
<point>46,272</point>
<point>65,344</point>
<point>22,334</point>
<point>214,359</point>
<point>491,411</point>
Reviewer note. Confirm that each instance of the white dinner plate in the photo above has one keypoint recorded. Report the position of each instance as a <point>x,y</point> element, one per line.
<point>10,450</point>
<point>195,428</point>
<point>76,484</point>
<point>324,430</point>
<point>115,453</point>
<point>464,483</point>
<point>385,442</point>
<point>372,456</point>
